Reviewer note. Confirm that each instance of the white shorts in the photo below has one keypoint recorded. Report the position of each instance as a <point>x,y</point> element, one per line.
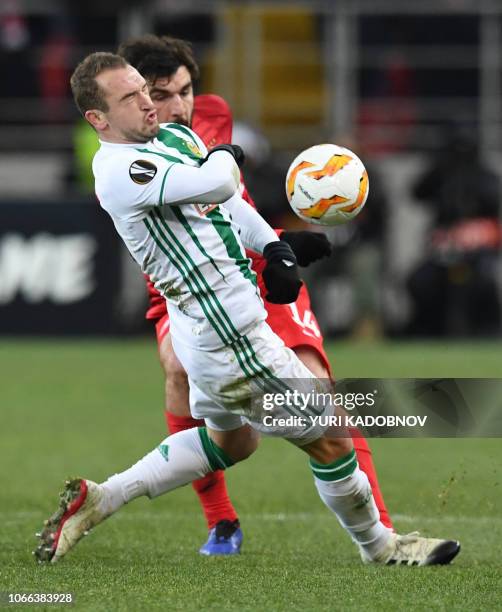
<point>251,382</point>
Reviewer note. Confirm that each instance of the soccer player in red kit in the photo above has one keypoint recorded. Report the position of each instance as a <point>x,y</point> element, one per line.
<point>170,69</point>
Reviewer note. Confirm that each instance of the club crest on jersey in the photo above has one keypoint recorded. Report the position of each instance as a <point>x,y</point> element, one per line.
<point>194,148</point>
<point>203,209</point>
<point>142,171</point>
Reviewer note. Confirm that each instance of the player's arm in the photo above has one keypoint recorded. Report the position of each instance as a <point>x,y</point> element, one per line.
<point>135,181</point>
<point>255,232</point>
<point>215,181</point>
<point>280,275</point>
<point>307,246</point>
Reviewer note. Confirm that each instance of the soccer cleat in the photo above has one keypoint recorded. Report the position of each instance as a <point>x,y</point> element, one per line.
<point>411,549</point>
<point>78,512</point>
<point>225,538</point>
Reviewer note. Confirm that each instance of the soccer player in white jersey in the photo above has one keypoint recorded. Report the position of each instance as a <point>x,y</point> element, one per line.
<point>179,212</point>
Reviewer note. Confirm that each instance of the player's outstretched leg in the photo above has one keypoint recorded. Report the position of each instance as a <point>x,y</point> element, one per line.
<point>346,491</point>
<point>316,361</point>
<point>180,459</point>
<point>225,534</point>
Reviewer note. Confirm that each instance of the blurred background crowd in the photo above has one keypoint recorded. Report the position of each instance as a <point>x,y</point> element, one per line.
<point>414,88</point>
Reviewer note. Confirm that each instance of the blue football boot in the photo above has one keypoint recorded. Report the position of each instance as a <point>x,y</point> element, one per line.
<point>225,538</point>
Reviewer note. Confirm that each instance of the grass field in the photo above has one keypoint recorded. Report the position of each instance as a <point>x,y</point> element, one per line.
<point>93,407</point>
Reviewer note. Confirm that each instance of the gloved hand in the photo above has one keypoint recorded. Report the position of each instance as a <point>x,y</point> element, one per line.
<point>280,275</point>
<point>234,150</point>
<point>307,246</point>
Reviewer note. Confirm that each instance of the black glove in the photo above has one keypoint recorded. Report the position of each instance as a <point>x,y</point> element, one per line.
<point>234,150</point>
<point>307,246</point>
<point>280,275</point>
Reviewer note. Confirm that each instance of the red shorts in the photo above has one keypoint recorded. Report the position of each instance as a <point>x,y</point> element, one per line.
<point>294,323</point>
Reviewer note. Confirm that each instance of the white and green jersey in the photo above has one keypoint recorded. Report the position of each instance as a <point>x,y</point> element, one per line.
<point>164,206</point>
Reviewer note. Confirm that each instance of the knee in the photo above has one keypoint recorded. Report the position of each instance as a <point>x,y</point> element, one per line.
<point>237,444</point>
<point>249,447</point>
<point>328,449</point>
<point>246,447</point>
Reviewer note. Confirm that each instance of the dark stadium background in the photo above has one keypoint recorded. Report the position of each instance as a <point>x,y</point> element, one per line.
<point>401,83</point>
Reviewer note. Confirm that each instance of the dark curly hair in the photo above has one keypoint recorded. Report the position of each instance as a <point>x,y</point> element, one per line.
<point>157,57</point>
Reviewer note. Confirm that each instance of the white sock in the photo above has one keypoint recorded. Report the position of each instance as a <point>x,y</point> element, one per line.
<point>351,499</point>
<point>185,456</point>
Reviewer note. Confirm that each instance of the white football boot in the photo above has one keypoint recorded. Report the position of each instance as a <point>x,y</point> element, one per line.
<point>411,549</point>
<point>78,512</point>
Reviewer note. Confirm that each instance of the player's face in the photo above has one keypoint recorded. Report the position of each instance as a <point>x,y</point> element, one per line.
<point>131,115</point>
<point>173,97</point>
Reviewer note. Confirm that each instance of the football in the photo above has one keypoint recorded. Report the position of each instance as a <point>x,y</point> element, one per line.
<point>327,185</point>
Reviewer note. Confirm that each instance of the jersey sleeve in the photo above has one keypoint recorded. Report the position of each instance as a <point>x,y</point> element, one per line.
<point>214,182</point>
<point>255,232</point>
<point>133,182</point>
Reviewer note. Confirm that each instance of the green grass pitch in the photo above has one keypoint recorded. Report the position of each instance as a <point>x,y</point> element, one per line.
<point>91,408</point>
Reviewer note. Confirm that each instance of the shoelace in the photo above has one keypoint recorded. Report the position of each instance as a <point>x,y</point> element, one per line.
<point>408,538</point>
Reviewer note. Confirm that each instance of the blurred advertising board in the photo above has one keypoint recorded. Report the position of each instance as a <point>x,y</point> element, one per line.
<point>60,269</point>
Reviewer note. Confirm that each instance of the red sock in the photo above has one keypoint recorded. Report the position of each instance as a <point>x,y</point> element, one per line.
<point>366,464</point>
<point>211,489</point>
